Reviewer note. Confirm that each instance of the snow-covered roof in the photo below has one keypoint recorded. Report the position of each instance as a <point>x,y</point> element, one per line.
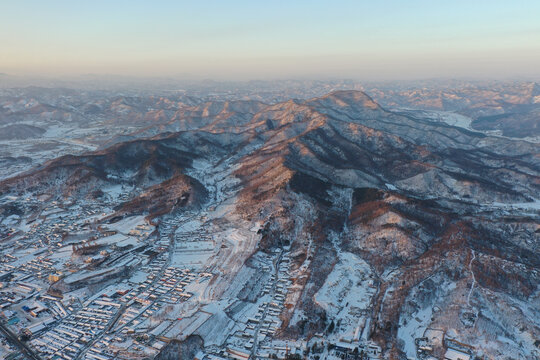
<point>452,354</point>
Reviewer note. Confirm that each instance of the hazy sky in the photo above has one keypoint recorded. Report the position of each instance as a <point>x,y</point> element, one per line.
<point>256,39</point>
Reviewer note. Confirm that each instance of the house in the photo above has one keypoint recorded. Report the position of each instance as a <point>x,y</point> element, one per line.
<point>238,354</point>
<point>453,354</point>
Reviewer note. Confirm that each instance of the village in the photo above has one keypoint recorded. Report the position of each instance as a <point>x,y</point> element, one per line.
<point>76,285</point>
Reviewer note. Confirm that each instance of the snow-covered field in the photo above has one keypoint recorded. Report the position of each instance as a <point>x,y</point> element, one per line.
<point>346,295</point>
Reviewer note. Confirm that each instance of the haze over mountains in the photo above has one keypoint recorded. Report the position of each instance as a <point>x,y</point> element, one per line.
<point>508,109</point>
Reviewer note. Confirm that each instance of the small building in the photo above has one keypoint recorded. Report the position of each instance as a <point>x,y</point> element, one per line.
<point>453,354</point>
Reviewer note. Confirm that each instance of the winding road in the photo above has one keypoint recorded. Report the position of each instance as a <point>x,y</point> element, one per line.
<point>473,278</point>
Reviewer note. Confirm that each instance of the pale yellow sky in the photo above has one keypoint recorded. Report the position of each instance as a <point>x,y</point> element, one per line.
<point>243,40</point>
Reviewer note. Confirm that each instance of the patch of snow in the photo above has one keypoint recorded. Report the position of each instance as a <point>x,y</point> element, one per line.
<point>414,328</point>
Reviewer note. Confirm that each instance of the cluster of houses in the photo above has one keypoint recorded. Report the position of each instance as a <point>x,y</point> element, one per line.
<point>40,255</point>
<point>114,320</point>
<point>257,327</point>
<point>158,289</point>
<point>70,335</point>
<point>438,338</point>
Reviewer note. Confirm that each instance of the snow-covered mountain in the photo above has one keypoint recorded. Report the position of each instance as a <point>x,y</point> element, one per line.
<point>400,230</point>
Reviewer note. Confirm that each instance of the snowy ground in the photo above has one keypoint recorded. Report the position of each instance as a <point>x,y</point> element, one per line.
<point>346,295</point>
<point>412,325</point>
